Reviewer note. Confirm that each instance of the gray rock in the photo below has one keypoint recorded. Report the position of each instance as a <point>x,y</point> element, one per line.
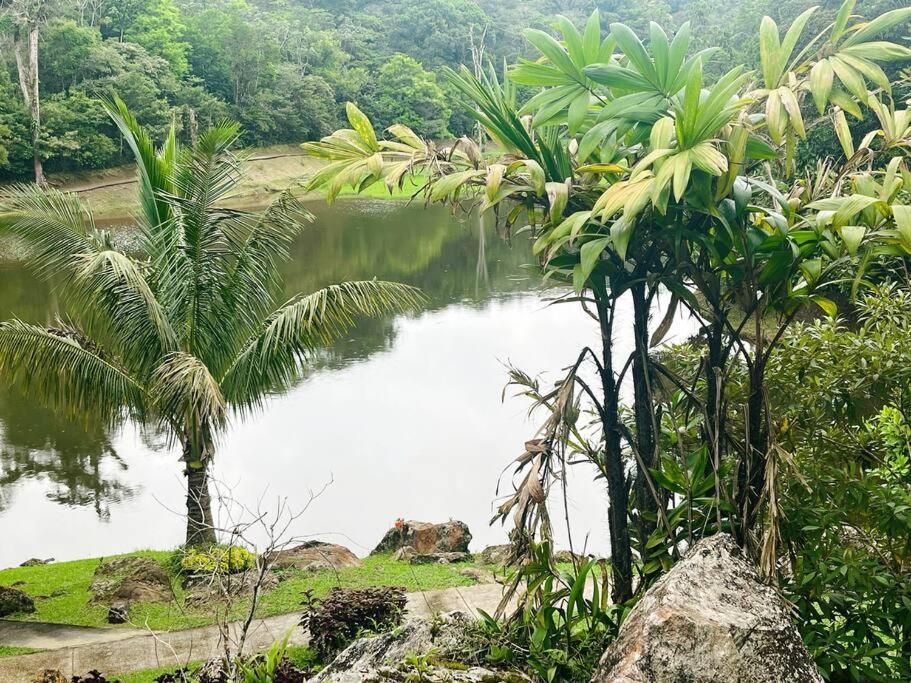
<point>440,558</point>
<point>404,554</point>
<point>709,620</point>
<point>384,657</point>
<point>426,538</point>
<point>35,562</point>
<point>15,601</point>
<point>315,556</point>
<point>479,575</point>
<point>119,612</point>
<point>495,554</point>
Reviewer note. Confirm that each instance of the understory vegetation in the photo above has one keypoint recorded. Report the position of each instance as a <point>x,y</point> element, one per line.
<point>62,595</point>
<point>643,172</point>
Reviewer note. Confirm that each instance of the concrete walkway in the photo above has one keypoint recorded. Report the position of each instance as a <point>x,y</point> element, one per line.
<point>115,651</point>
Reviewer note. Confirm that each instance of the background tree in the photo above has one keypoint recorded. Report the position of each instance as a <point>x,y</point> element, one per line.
<point>28,17</point>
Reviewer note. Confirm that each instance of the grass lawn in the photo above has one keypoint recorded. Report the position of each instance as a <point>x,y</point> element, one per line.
<point>6,651</point>
<point>61,590</point>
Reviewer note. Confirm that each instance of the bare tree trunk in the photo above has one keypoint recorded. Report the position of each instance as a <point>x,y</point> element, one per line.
<point>617,489</point>
<point>27,67</point>
<point>192,125</point>
<point>200,523</point>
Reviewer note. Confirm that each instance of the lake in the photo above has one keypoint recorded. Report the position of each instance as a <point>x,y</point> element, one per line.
<point>405,417</point>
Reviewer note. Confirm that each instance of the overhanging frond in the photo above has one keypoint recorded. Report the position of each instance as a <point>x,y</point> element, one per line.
<point>272,360</point>
<point>66,371</point>
<point>54,226</point>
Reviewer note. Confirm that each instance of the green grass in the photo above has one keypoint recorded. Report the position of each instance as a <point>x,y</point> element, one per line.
<point>6,651</point>
<point>147,675</point>
<point>72,579</point>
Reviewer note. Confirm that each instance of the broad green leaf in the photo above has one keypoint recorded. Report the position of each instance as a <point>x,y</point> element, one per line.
<point>591,40</point>
<point>683,166</point>
<point>632,47</point>
<point>558,196</point>
<point>792,106</point>
<point>879,51</point>
<point>551,49</point>
<point>853,235</point>
<point>362,126</point>
<point>852,80</point>
<point>590,254</point>
<point>879,25</point>
<point>827,305</point>
<point>769,47</point>
<point>495,174</point>
<point>821,78</point>
<point>842,99</point>
<point>621,231</point>
<point>902,215</point>
<point>578,110</point>
<point>843,132</point>
<point>841,19</point>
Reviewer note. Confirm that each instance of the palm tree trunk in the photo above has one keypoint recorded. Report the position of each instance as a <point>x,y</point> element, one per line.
<point>200,527</point>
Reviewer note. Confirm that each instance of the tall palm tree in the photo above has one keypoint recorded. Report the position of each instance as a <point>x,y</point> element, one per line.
<point>188,331</point>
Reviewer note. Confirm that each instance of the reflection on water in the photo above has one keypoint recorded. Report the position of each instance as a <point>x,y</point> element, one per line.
<point>404,415</point>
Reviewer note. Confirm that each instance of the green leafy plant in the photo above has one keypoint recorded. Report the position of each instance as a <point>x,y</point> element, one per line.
<point>337,619</point>
<point>219,559</point>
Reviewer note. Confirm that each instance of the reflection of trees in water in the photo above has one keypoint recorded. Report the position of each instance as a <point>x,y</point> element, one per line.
<point>452,261</point>
<point>77,460</point>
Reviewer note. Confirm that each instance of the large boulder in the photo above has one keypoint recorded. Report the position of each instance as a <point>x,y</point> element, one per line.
<point>709,620</point>
<point>14,601</point>
<point>426,538</point>
<point>131,579</point>
<point>315,556</point>
<point>385,657</point>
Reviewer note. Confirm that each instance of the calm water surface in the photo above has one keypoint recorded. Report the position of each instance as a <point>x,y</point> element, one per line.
<point>403,418</point>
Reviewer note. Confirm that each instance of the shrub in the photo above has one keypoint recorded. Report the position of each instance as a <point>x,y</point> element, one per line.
<point>336,620</point>
<point>216,559</point>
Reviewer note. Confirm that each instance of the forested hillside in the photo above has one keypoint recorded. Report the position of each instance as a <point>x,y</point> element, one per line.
<point>284,68</point>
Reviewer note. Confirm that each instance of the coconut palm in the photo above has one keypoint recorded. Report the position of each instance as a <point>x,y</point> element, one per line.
<point>188,330</point>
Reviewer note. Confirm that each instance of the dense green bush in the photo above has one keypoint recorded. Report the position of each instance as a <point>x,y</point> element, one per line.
<point>216,559</point>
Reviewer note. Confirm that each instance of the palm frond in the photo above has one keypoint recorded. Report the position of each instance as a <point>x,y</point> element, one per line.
<point>272,360</point>
<point>65,370</point>
<point>258,244</point>
<point>111,285</point>
<point>182,386</point>
<point>154,168</point>
<point>54,226</point>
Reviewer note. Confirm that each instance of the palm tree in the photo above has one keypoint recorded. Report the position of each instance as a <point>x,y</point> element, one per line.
<point>188,331</point>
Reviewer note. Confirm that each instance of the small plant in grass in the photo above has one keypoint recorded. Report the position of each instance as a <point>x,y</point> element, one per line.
<point>336,620</point>
<point>214,559</point>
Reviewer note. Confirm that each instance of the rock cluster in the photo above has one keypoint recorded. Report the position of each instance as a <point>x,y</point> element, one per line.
<point>125,580</point>
<point>15,601</point>
<point>426,538</point>
<point>709,620</point>
<point>386,657</point>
